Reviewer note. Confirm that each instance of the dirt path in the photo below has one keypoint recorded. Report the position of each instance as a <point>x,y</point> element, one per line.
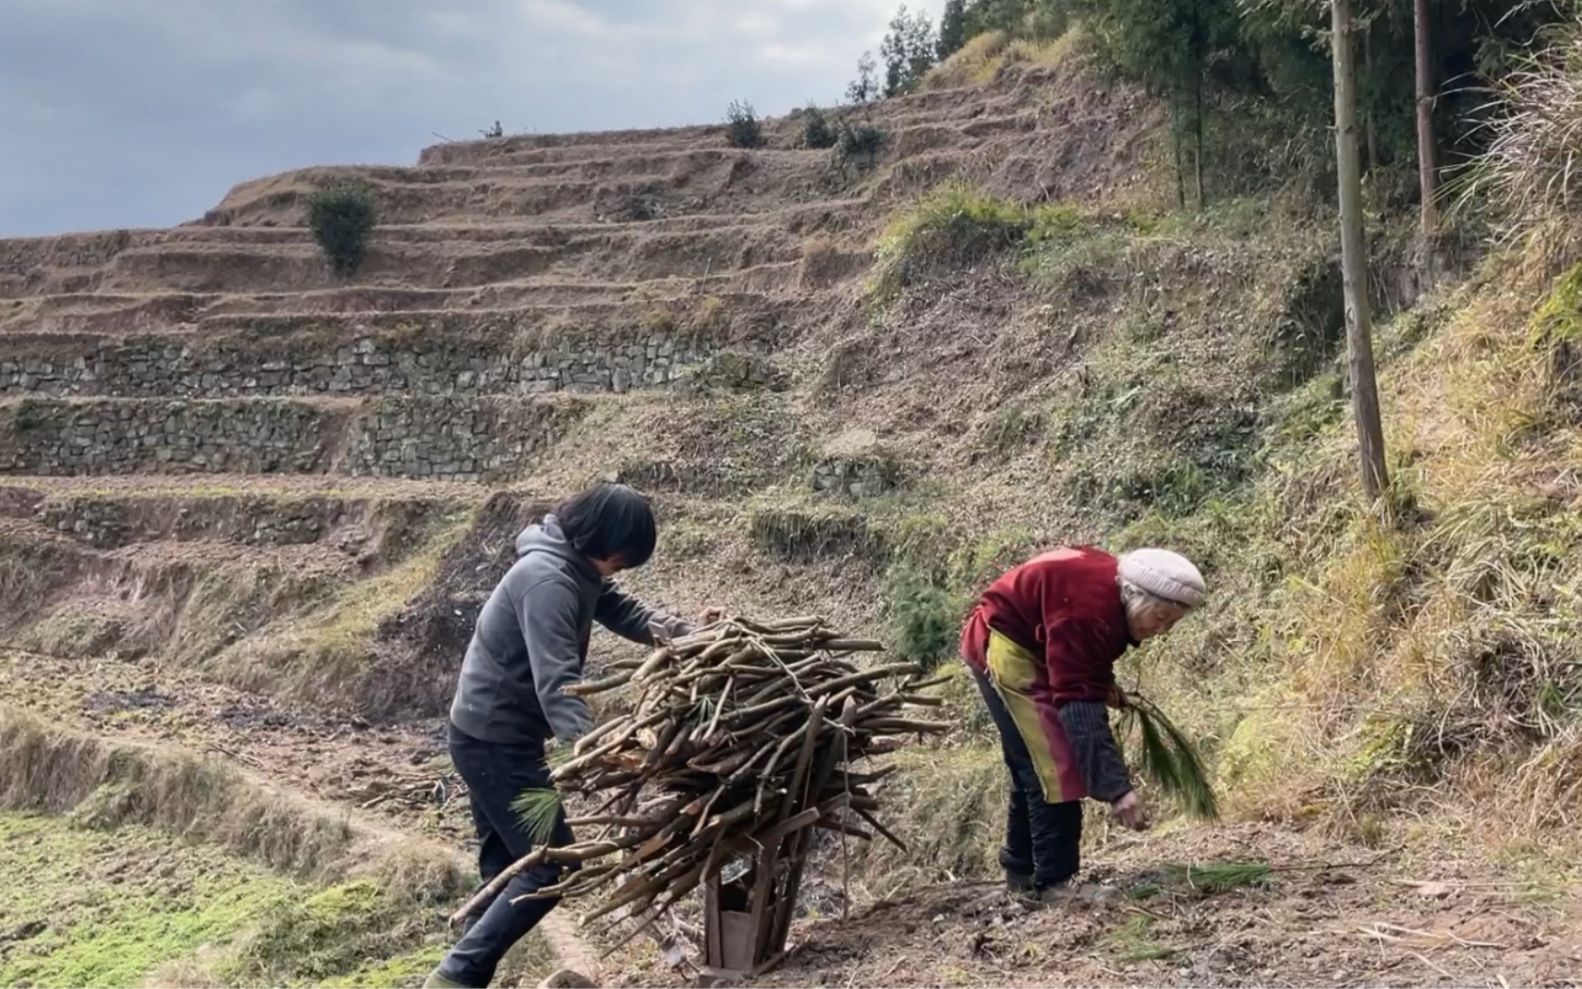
<point>1364,920</point>
<point>1327,914</point>
<point>1323,914</point>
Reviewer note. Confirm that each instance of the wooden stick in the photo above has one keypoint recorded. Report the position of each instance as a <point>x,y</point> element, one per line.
<point>495,885</point>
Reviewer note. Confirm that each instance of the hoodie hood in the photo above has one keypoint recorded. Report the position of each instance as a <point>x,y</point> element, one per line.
<point>531,640</point>
<point>547,537</point>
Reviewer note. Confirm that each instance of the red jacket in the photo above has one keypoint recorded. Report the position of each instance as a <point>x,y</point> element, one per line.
<point>1065,605</point>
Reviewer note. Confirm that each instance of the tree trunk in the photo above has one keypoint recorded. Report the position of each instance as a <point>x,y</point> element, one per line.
<point>1369,122</point>
<point>1354,261</point>
<point>1197,123</point>
<point>1427,177</point>
<point>1198,52</point>
<point>1175,140</point>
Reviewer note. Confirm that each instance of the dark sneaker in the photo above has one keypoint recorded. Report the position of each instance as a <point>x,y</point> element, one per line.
<point>1019,882</point>
<point>1071,891</point>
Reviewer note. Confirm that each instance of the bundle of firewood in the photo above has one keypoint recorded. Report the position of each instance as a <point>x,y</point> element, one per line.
<point>742,734</point>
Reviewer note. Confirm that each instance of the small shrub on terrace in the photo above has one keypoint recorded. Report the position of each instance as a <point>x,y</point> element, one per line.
<point>924,617</point>
<point>742,127</point>
<point>341,217</point>
<point>858,146</point>
<point>953,227</point>
<point>817,131</point>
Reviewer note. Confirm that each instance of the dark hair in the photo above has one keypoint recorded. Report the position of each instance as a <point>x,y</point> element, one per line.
<point>610,521</point>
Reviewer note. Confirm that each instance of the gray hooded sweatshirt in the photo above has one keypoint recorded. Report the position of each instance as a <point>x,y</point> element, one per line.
<point>532,639</point>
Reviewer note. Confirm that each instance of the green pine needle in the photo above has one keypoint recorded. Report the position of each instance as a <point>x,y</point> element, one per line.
<point>1169,760</point>
<point>559,754</point>
<point>538,811</point>
<point>1219,877</point>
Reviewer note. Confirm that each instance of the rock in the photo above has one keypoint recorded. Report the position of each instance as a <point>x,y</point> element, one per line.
<point>567,979</point>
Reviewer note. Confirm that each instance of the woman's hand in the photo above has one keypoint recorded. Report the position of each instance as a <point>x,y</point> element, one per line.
<point>710,615</point>
<point>1116,698</point>
<point>1129,810</point>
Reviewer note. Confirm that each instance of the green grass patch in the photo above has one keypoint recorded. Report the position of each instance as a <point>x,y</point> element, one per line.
<point>350,932</point>
<point>1134,941</point>
<point>954,226</point>
<point>83,908</point>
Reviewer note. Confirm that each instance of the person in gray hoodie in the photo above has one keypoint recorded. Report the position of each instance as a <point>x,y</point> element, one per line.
<point>530,642</point>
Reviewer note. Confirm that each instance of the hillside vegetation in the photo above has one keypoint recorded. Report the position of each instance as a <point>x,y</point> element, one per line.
<point>253,496</point>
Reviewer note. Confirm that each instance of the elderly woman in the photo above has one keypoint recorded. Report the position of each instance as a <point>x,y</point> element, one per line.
<point>1042,645</point>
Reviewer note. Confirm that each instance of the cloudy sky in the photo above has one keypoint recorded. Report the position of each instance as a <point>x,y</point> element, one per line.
<point>127,113</point>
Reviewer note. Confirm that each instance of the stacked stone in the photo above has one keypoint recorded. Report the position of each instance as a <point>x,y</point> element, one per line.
<point>152,367</point>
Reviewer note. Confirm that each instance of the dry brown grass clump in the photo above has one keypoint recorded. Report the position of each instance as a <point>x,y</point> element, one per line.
<point>107,784</point>
<point>980,60</point>
<point>1532,172</point>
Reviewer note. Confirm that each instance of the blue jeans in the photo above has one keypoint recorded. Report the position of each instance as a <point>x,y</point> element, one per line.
<point>1043,841</point>
<point>497,774</point>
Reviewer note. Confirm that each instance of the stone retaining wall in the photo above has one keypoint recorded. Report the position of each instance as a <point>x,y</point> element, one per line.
<point>150,367</point>
<point>350,524</point>
<point>453,439</point>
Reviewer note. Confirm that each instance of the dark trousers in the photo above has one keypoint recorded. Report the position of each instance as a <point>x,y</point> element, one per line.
<point>496,775</point>
<point>1043,841</point>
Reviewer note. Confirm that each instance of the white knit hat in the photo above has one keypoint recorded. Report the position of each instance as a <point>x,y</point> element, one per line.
<point>1164,574</point>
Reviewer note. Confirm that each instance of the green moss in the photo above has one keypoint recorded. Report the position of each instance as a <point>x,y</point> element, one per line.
<point>339,931</point>
<point>107,909</point>
<point>90,907</point>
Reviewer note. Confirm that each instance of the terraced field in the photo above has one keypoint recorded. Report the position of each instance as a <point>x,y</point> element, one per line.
<point>248,511</point>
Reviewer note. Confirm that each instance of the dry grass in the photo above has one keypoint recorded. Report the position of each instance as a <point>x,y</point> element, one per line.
<point>956,818</point>
<point>107,784</point>
<point>324,657</point>
<point>982,58</point>
<point>1418,663</point>
<point>974,65</point>
<point>1531,173</point>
